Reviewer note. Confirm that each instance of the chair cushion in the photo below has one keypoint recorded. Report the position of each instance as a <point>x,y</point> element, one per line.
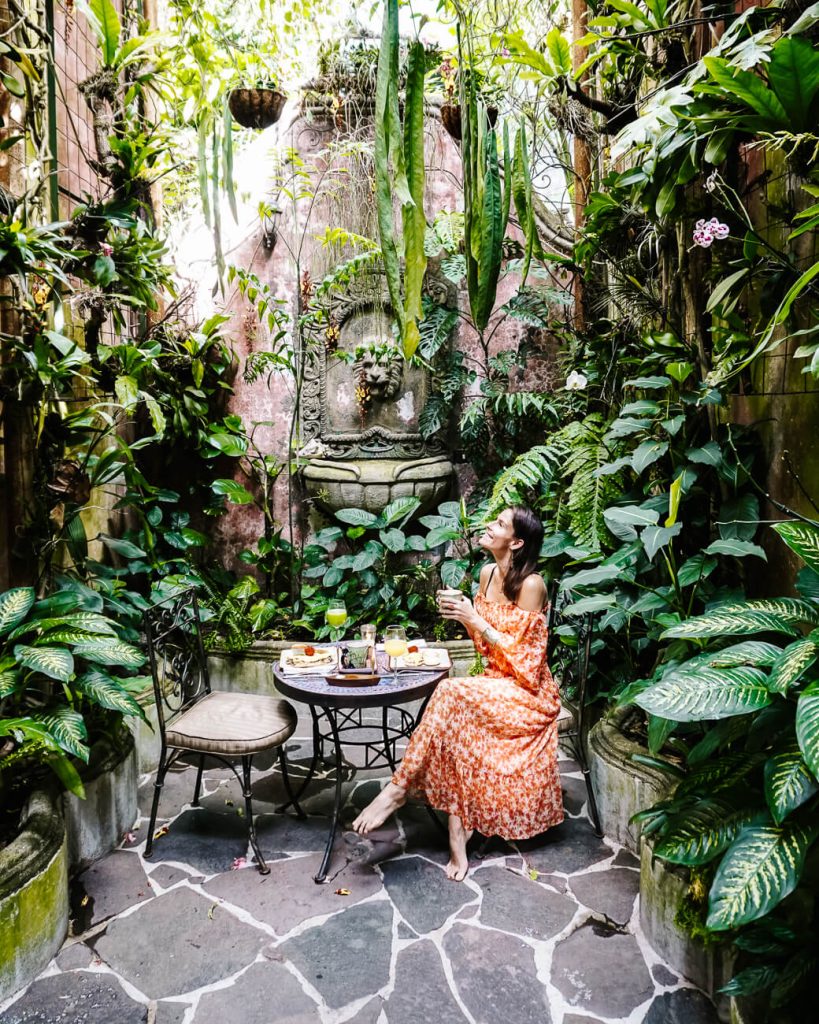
<point>233,723</point>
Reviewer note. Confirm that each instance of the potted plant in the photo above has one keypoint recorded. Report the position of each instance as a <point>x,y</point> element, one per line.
<point>451,108</point>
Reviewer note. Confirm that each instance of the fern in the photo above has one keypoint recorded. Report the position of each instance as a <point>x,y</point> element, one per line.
<point>589,494</point>
<point>536,468</point>
<point>435,328</point>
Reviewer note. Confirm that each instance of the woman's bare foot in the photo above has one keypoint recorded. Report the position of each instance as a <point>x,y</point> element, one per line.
<point>377,811</point>
<point>458,864</point>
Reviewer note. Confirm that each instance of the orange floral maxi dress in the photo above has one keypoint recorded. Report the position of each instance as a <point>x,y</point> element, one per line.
<point>486,747</point>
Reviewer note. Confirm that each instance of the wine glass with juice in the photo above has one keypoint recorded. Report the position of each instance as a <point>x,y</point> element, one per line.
<point>336,616</point>
<point>395,646</point>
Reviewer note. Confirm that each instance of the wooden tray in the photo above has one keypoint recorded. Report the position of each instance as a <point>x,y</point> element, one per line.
<point>354,678</point>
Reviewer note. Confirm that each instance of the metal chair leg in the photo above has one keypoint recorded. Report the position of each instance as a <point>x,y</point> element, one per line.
<point>198,790</point>
<point>251,825</point>
<point>159,781</point>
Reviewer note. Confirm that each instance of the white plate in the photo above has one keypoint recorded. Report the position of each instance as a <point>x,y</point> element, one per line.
<point>316,668</point>
<point>441,655</point>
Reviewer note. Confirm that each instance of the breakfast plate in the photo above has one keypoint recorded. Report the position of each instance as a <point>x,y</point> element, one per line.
<point>305,659</point>
<point>425,658</point>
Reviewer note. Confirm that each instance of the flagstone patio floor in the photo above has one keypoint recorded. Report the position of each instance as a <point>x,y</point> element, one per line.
<point>546,932</point>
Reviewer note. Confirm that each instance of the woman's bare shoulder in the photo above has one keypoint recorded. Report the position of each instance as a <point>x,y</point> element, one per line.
<point>532,594</point>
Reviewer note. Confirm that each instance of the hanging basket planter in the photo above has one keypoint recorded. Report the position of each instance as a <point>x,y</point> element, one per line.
<point>451,118</point>
<point>256,108</point>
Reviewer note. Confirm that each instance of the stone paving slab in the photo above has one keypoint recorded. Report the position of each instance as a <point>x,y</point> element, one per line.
<point>542,932</point>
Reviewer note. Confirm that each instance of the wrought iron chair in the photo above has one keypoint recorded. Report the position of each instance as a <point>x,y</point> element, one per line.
<point>193,719</point>
<point>573,675</point>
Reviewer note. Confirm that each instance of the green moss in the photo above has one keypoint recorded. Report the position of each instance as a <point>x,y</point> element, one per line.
<point>692,912</point>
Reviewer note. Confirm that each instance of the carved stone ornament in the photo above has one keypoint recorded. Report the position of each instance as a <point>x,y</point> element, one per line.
<point>369,408</point>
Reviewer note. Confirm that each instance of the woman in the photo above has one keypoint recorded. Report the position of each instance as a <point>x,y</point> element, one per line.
<point>486,749</point>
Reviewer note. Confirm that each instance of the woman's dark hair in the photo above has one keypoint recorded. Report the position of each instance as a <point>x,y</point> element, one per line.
<point>529,529</point>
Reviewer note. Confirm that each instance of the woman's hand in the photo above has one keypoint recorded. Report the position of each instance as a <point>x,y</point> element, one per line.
<point>460,609</point>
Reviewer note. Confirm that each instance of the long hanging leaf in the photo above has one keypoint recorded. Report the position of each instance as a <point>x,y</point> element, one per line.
<point>67,729</point>
<point>54,662</point>
<point>706,694</point>
<point>792,662</point>
<point>807,726</point>
<point>788,782</point>
<point>783,615</point>
<point>414,220</point>
<point>803,538</point>
<point>107,692</point>
<point>699,834</point>
<point>490,253</point>
<point>386,122</point>
<point>105,24</point>
<point>227,164</point>
<point>759,870</point>
<point>14,606</point>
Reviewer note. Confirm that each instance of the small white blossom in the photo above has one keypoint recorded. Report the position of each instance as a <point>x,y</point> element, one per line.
<point>576,381</point>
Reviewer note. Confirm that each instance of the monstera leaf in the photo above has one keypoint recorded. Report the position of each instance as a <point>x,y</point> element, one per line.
<point>758,871</point>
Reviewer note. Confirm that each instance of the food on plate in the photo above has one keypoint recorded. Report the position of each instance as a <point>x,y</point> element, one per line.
<point>412,659</point>
<point>412,648</point>
<point>432,657</point>
<point>304,657</point>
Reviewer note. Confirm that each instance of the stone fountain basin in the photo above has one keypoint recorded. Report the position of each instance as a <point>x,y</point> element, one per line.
<point>372,484</point>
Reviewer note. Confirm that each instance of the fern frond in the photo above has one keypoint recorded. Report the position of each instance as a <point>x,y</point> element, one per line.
<point>535,469</point>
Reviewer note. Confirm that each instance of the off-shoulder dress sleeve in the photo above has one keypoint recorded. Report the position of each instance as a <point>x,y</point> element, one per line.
<point>520,651</point>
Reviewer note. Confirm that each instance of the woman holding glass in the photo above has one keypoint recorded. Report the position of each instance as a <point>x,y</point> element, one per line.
<point>486,749</point>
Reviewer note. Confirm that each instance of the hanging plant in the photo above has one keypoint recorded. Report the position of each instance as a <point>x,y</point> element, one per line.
<point>258,107</point>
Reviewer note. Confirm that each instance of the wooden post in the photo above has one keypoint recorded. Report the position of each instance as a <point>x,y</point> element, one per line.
<point>581,155</point>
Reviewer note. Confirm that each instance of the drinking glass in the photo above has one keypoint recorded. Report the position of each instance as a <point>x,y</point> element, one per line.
<point>395,646</point>
<point>336,615</point>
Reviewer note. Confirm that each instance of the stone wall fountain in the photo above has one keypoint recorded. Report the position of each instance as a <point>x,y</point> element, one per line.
<point>361,403</point>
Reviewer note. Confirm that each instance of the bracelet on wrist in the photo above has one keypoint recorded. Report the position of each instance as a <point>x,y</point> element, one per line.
<point>490,635</point>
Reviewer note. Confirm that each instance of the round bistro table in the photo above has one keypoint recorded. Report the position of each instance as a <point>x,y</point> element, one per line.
<point>341,708</point>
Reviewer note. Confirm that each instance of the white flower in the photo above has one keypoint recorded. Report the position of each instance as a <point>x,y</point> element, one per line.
<point>721,230</point>
<point>576,381</point>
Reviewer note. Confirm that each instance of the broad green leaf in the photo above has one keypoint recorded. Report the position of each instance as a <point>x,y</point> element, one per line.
<point>744,618</point>
<point>807,726</point>
<point>399,509</point>
<point>65,771</point>
<point>591,577</point>
<point>233,491</point>
<point>724,286</point>
<point>717,774</point>
<point>674,494</point>
<point>788,782</point>
<point>394,540</point>
<point>758,871</point>
<point>709,454</point>
<point>680,371</point>
<point>793,72</point>
<point>700,833</point>
<point>647,453</point>
<point>122,547</point>
<point>695,568</point>
<point>453,571</point>
<point>706,694</point>
<point>648,383</point>
<point>110,652</point>
<point>414,220</point>
<point>107,692</point>
<point>735,547</point>
<point>364,560</point>
<point>803,538</point>
<point>595,603</point>
<point>14,606</point>
<point>104,20</point>
<point>747,652</point>
<point>441,535</point>
<point>54,662</point>
<point>792,662</point>
<point>656,537</point>
<point>632,515</point>
<point>356,517</point>
<point>127,391</point>
<point>9,681</point>
<point>750,89</point>
<point>559,51</point>
<point>90,622</point>
<point>807,583</point>
<point>67,729</point>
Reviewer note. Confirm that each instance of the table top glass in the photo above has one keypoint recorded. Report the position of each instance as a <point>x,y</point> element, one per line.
<point>314,689</point>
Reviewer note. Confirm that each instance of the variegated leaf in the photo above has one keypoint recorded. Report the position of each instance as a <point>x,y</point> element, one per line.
<point>110,652</point>
<point>14,606</point>
<point>698,835</point>
<point>54,662</point>
<point>757,872</point>
<point>91,622</point>
<point>107,692</point>
<point>781,615</point>
<point>747,652</point>
<point>67,729</point>
<point>9,682</point>
<point>707,694</point>
<point>792,662</point>
<point>67,635</point>
<point>807,726</point>
<point>788,782</point>
<point>803,538</point>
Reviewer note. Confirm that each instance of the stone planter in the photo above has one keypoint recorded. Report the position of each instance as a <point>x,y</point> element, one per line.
<point>95,825</point>
<point>662,888</point>
<point>622,786</point>
<point>33,893</point>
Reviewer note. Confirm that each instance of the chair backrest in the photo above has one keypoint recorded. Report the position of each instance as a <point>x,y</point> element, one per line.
<point>179,666</point>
